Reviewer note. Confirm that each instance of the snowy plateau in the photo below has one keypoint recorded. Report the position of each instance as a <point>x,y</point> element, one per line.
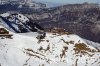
<point>24,49</point>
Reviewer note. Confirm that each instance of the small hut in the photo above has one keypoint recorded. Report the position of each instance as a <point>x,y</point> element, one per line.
<point>4,33</point>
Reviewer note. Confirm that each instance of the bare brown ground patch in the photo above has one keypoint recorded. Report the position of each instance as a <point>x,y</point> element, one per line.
<point>83,49</point>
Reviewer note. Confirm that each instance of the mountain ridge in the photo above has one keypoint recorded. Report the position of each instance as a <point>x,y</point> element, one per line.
<point>25,49</point>
<point>50,51</point>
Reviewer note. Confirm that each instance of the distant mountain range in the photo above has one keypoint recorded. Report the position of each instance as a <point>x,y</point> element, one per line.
<point>21,7</point>
<point>82,19</point>
<point>25,41</point>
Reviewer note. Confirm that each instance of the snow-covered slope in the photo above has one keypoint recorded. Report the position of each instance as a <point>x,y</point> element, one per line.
<point>94,44</point>
<point>54,50</point>
<point>18,23</point>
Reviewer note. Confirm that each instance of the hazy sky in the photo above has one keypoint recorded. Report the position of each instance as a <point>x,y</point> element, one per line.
<point>53,3</point>
<point>68,1</point>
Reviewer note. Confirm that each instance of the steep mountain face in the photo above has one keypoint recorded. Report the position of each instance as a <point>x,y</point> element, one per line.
<point>18,23</point>
<point>81,19</point>
<point>55,49</point>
